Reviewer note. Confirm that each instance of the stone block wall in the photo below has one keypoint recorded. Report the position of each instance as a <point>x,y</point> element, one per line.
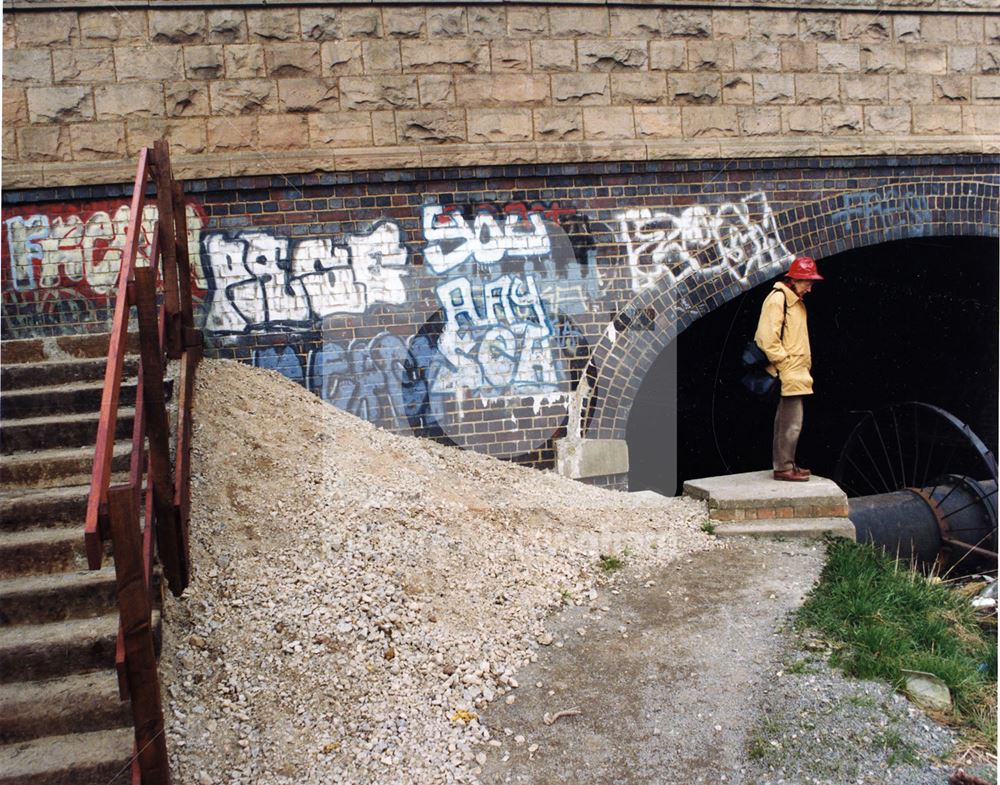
<point>247,90</point>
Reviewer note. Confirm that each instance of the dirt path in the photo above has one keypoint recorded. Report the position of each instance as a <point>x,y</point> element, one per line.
<point>665,678</point>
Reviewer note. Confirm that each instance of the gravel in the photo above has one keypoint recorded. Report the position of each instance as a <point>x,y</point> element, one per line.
<point>818,727</point>
<point>359,597</point>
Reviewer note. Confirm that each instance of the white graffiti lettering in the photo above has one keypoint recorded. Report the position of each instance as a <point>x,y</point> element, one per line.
<point>259,282</point>
<point>497,340</point>
<point>452,241</point>
<point>743,235</point>
<point>69,251</point>
<point>503,347</point>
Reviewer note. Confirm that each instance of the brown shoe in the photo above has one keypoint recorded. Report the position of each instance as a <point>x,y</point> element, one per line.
<point>791,475</point>
<point>800,470</point>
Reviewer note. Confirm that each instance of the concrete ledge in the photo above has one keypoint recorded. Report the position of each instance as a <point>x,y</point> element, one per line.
<point>579,458</point>
<point>760,491</point>
<point>272,162</point>
<point>789,527</point>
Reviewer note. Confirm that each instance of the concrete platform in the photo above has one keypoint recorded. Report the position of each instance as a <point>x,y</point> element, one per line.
<point>754,495</point>
<point>755,503</point>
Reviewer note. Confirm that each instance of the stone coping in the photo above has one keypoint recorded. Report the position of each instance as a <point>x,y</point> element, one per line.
<point>56,174</point>
<point>884,7</point>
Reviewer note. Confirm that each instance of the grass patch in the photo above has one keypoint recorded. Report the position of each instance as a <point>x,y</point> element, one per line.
<point>891,618</point>
<point>708,527</point>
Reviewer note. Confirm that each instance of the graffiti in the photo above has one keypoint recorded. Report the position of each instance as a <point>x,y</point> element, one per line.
<point>743,236</point>
<point>503,348</point>
<point>380,380</point>
<point>520,232</point>
<point>77,252</point>
<point>888,207</point>
<point>377,380</point>
<point>286,362</point>
<point>259,281</point>
<point>508,269</point>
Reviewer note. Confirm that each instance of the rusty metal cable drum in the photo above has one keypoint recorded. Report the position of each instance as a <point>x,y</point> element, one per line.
<point>922,485</point>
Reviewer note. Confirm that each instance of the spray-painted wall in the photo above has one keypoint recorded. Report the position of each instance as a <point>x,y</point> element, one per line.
<point>494,308</point>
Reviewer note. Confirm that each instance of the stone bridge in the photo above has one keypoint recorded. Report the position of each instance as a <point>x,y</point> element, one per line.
<point>483,224</point>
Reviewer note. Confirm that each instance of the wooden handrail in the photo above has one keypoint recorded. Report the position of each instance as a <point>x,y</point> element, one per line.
<point>155,491</point>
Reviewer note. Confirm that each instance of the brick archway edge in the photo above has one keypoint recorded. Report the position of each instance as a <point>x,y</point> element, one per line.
<point>843,221</point>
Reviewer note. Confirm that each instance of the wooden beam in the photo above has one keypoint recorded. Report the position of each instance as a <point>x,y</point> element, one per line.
<point>137,633</point>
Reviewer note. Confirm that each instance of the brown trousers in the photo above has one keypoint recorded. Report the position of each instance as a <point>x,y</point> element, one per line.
<point>787,427</point>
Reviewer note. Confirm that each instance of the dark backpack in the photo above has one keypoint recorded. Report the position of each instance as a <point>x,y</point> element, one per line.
<point>756,379</point>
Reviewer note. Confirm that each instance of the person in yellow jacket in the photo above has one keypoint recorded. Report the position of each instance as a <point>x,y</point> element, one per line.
<point>783,335</point>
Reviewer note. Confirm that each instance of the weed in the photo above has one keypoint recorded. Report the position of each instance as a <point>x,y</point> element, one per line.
<point>900,750</point>
<point>757,748</point>
<point>799,667</point>
<point>862,701</point>
<point>891,618</point>
<point>565,596</point>
<point>760,745</point>
<point>609,563</point>
<point>708,526</point>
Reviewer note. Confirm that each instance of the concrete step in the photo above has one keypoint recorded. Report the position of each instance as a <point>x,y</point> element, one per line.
<point>41,551</point>
<point>71,398</point>
<point>758,496</point>
<point>18,376</point>
<point>29,652</point>
<point>33,709</point>
<point>66,430</point>
<point>97,758</point>
<point>62,347</point>
<point>32,652</point>
<point>43,507</point>
<point>35,599</point>
<point>67,466</point>
<point>788,527</point>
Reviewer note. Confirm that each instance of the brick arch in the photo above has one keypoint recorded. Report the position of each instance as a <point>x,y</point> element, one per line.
<point>843,221</point>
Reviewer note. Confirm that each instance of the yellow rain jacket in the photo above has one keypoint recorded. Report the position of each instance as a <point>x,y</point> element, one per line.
<point>789,353</point>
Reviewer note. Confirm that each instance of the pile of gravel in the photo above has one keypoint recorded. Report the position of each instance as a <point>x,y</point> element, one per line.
<point>357,597</point>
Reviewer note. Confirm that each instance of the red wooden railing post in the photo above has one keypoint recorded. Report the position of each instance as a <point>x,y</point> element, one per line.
<point>168,246</point>
<point>158,431</point>
<point>183,263</point>
<point>140,654</point>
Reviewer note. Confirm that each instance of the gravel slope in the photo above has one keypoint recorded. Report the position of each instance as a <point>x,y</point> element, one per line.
<point>358,597</point>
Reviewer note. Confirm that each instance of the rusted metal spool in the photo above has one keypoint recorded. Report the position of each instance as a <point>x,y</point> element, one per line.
<point>932,487</point>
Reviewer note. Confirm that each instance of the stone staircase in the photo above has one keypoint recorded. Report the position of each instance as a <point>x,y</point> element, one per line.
<point>61,718</point>
<point>756,504</point>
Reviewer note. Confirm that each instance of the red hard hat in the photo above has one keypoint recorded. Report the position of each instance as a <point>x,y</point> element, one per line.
<point>804,269</point>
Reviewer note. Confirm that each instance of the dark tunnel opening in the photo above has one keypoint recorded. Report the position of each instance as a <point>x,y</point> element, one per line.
<point>913,320</point>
